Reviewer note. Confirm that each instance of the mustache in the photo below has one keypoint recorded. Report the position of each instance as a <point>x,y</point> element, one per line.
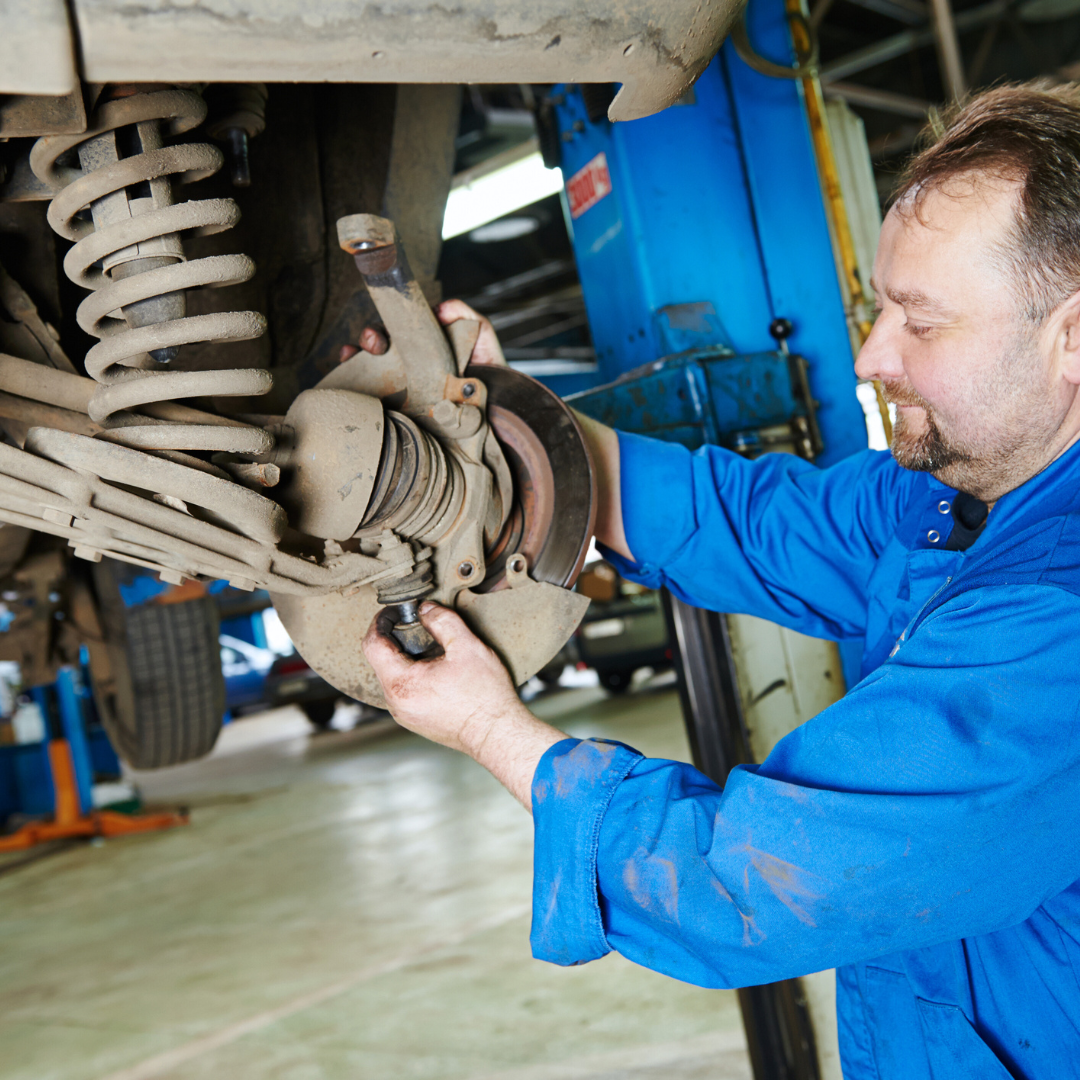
<point>901,393</point>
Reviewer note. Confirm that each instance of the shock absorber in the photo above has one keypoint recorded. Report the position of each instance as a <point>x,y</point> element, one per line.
<point>130,255</point>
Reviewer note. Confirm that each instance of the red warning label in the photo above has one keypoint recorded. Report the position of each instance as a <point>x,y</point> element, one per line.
<point>588,186</point>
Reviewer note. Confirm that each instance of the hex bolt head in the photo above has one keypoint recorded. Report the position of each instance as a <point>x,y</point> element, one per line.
<point>468,389</point>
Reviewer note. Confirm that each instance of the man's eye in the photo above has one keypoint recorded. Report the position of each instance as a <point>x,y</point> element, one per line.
<point>915,330</point>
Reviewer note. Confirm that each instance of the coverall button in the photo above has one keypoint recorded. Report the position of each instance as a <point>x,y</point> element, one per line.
<point>933,536</point>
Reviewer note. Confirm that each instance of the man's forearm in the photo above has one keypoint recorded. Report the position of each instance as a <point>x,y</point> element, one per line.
<point>512,747</point>
<point>604,446</point>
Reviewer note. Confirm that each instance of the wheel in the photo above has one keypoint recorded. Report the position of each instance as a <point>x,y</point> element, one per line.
<point>156,675</point>
<point>616,681</point>
<point>551,674</point>
<point>320,713</point>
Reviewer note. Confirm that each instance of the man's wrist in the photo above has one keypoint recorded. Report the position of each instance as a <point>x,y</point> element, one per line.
<point>510,746</point>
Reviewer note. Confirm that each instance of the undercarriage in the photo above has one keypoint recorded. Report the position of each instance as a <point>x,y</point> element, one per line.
<point>168,406</point>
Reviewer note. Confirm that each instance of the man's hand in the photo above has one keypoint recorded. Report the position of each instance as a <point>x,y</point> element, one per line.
<point>602,440</point>
<point>487,349</point>
<point>463,699</point>
<point>372,340</point>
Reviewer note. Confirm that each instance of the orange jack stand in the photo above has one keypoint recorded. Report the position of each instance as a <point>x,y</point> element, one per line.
<point>69,823</point>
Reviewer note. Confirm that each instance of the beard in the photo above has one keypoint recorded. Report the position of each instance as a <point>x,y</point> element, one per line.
<point>929,451</point>
<point>996,438</point>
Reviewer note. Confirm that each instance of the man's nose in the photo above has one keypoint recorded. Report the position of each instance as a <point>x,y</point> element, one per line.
<point>880,356</point>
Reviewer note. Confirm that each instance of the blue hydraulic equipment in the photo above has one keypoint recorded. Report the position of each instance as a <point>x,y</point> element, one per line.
<point>694,232</point>
<point>705,248</point>
<point>70,773</point>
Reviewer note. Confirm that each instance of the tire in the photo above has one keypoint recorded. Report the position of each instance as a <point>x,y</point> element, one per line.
<point>551,674</point>
<point>616,681</point>
<point>157,676</point>
<point>320,713</point>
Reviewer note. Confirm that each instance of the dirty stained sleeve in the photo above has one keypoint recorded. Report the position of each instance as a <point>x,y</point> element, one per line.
<point>775,537</point>
<point>936,801</point>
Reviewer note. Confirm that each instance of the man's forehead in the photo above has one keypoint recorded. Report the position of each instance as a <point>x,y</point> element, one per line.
<point>969,206</point>
<point>935,251</point>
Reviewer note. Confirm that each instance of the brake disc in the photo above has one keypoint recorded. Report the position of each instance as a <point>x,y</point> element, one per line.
<point>477,488</point>
<point>553,511</point>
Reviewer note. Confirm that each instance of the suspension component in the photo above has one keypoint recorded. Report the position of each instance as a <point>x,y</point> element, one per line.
<point>131,256</point>
<point>450,480</point>
<point>237,115</point>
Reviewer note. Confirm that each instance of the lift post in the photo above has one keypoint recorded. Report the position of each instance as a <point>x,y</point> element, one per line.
<point>69,770</point>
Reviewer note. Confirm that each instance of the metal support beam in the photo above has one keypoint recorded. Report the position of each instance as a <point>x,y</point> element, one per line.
<point>779,1032</point>
<point>906,41</point>
<point>952,66</point>
<point>911,12</point>
<point>883,100</point>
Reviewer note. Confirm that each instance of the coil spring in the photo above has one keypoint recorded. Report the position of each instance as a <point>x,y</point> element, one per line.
<point>131,258</point>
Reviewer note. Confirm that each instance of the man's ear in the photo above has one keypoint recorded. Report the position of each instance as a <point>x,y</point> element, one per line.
<point>1067,339</point>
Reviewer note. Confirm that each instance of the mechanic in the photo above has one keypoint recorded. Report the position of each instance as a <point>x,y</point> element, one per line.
<point>920,835</point>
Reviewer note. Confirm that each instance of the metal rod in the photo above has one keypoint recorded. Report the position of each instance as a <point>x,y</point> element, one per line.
<point>952,66</point>
<point>884,100</point>
<point>906,41</point>
<point>836,211</point>
<point>820,10</point>
<point>912,12</point>
<point>982,53</point>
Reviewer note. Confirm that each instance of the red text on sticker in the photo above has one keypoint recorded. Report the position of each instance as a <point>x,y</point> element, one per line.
<point>588,186</point>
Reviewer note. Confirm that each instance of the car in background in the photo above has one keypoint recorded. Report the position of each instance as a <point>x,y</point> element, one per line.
<point>292,681</point>
<point>257,678</point>
<point>623,630</point>
<point>245,667</point>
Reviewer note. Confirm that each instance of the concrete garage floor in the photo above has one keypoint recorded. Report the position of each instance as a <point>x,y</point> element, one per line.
<point>353,905</point>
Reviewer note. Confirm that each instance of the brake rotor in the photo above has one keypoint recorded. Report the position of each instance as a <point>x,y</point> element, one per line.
<point>554,510</point>
<point>525,616</point>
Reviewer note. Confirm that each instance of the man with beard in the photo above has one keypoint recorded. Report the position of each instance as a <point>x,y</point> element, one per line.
<point>919,835</point>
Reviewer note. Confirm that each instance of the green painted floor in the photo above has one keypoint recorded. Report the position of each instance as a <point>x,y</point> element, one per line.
<point>353,905</point>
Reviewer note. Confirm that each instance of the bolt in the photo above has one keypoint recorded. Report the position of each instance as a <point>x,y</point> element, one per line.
<point>408,613</point>
<point>237,152</point>
<point>466,569</point>
<point>468,390</point>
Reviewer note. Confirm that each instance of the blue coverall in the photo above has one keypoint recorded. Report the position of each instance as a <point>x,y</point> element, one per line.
<point>922,835</point>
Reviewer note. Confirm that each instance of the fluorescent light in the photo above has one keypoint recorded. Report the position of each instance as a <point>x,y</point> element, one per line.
<point>507,183</point>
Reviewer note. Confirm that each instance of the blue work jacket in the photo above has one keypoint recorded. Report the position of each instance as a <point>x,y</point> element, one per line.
<point>922,835</point>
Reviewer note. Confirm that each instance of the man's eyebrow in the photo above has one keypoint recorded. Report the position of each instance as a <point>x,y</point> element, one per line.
<point>916,298</point>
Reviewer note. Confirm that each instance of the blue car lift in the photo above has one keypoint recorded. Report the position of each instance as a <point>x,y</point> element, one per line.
<point>725,307</point>
<point>70,772</point>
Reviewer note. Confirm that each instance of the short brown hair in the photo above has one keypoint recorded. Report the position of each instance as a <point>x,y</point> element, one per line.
<point>1029,133</point>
